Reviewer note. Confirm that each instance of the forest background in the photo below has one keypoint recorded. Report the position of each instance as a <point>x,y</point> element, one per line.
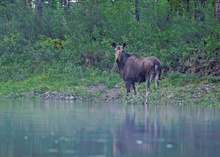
<point>65,46</point>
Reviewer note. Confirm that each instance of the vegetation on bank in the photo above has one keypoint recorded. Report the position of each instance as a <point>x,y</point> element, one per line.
<point>67,48</point>
<point>175,88</point>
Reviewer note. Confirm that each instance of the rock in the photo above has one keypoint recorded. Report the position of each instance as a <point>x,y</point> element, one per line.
<point>111,95</point>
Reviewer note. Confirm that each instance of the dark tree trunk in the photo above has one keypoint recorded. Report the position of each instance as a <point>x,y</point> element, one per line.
<point>137,15</point>
<point>39,7</point>
<point>65,2</point>
<point>217,9</point>
<point>29,4</point>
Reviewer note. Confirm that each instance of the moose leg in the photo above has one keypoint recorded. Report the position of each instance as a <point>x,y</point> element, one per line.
<point>128,88</point>
<point>135,92</point>
<point>157,85</point>
<point>157,81</point>
<point>147,90</point>
<point>133,86</point>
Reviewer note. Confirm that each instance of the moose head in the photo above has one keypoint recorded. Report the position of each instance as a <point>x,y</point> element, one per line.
<point>119,50</point>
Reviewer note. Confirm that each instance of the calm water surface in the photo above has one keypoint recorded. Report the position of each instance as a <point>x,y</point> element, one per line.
<point>69,129</point>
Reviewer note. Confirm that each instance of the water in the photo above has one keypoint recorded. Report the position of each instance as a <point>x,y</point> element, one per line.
<point>70,129</point>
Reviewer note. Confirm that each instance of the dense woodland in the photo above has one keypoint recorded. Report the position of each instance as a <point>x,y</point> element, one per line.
<point>58,36</point>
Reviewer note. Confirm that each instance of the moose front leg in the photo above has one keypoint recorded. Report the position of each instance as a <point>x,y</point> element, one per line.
<point>128,89</point>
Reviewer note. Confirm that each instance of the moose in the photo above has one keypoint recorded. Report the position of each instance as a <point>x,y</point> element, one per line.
<point>133,68</point>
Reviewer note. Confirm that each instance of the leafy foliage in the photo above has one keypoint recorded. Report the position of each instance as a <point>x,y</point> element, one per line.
<point>63,38</point>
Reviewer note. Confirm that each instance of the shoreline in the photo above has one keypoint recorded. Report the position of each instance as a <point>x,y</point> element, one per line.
<point>205,94</point>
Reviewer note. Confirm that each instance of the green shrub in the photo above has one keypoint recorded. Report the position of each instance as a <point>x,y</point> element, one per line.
<point>63,38</point>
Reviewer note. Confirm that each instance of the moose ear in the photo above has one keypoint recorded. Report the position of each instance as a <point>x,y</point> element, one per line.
<point>124,44</point>
<point>114,45</point>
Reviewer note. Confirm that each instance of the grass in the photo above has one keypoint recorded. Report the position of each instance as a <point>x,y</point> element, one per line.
<point>185,89</point>
<point>175,88</point>
<point>192,89</point>
<point>76,84</point>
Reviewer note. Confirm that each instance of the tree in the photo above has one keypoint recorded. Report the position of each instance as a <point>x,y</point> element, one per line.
<point>39,7</point>
<point>217,9</point>
<point>137,15</point>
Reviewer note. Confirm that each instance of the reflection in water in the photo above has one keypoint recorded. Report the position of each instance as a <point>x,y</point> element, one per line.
<point>57,128</point>
<point>132,138</point>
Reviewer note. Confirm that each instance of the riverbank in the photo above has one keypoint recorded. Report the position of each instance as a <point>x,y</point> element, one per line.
<point>64,53</point>
<point>175,88</point>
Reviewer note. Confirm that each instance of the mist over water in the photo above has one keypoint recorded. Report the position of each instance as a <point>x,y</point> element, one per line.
<point>59,128</point>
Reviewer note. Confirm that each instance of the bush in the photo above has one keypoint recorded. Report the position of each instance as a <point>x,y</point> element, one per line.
<point>62,38</point>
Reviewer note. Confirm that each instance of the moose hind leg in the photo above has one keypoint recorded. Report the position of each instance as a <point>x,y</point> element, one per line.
<point>157,75</point>
<point>156,82</point>
<point>133,86</point>
<point>147,90</point>
<point>157,85</point>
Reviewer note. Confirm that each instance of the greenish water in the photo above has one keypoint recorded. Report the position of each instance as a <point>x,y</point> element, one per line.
<point>69,129</point>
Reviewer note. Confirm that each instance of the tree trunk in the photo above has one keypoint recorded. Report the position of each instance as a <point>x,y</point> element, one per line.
<point>217,9</point>
<point>39,7</point>
<point>30,3</point>
<point>137,15</point>
<point>65,2</point>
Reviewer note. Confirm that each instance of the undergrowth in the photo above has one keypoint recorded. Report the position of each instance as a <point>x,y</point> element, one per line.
<point>67,49</point>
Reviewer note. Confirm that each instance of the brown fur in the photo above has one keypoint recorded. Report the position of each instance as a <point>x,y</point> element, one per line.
<point>133,68</point>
